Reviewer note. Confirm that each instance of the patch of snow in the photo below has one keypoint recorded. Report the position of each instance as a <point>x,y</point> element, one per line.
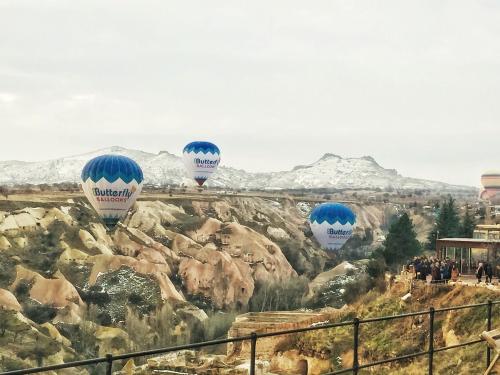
<point>65,209</point>
<point>304,208</point>
<point>331,171</point>
<point>406,297</point>
<point>319,323</point>
<point>277,233</point>
<point>246,365</point>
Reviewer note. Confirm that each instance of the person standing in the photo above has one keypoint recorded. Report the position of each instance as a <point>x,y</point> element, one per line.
<point>488,271</point>
<point>441,270</point>
<point>427,270</point>
<point>418,269</point>
<point>447,271</point>
<point>436,273</point>
<point>479,272</point>
<point>454,273</point>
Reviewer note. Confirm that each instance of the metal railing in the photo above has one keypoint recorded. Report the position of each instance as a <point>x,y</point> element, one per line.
<point>254,337</point>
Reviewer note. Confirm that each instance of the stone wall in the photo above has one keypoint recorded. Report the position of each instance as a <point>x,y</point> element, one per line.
<point>268,322</point>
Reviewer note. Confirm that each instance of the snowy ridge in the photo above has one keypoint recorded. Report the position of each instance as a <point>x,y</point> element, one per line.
<point>329,172</point>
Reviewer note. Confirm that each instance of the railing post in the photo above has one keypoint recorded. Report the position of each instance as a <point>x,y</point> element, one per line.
<point>109,366</point>
<point>355,360</point>
<point>253,347</point>
<point>431,339</point>
<point>488,350</point>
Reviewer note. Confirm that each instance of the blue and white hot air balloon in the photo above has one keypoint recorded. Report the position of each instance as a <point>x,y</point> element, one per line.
<point>112,184</point>
<point>201,160</point>
<point>332,224</point>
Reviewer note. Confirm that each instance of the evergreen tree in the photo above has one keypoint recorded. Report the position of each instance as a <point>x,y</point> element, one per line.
<point>431,239</point>
<point>401,242</point>
<point>467,226</point>
<point>447,223</point>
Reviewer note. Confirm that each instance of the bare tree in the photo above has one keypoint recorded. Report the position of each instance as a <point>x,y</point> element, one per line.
<point>4,191</point>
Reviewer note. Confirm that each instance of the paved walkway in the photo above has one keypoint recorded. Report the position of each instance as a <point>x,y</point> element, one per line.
<point>471,280</point>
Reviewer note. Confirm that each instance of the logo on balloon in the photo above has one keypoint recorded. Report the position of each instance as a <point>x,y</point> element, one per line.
<point>339,233</point>
<point>206,163</point>
<point>109,195</point>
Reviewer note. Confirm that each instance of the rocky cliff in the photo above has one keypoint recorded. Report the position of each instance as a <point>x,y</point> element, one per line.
<point>61,269</point>
<point>152,281</point>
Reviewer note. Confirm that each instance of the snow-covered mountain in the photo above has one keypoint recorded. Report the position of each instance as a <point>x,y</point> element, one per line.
<point>331,171</point>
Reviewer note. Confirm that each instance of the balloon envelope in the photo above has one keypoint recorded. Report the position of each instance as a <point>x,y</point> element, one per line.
<point>112,183</point>
<point>491,184</point>
<point>491,179</point>
<point>491,195</point>
<point>201,160</point>
<point>332,224</point>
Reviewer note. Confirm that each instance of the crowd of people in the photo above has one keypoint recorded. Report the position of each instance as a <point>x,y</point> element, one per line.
<point>443,270</point>
<point>436,269</point>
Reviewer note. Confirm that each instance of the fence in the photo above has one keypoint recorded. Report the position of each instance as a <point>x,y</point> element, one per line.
<point>254,337</point>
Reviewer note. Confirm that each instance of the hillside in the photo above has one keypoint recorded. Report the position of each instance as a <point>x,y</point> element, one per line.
<point>332,349</point>
<point>179,270</point>
<point>400,337</point>
<point>84,292</point>
<point>67,283</point>
<point>329,172</point>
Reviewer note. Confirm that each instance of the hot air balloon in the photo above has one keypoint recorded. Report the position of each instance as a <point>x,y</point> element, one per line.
<point>491,186</point>
<point>112,184</point>
<point>332,224</point>
<point>201,160</point>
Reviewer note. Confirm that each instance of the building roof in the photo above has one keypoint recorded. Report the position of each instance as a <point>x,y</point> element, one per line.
<point>471,243</point>
<point>488,226</point>
<point>474,240</point>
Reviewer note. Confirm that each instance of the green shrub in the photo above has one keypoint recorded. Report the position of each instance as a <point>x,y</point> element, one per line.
<point>8,363</point>
<point>293,253</point>
<point>156,330</point>
<point>287,295</point>
<point>376,267</point>
<point>82,335</point>
<point>7,271</point>
<point>39,313</point>
<point>95,296</point>
<point>135,299</point>
<point>217,325</point>
<point>357,288</point>
<point>190,223</point>
<point>22,290</point>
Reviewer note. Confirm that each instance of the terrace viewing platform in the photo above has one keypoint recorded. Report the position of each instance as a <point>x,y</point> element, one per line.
<point>469,252</point>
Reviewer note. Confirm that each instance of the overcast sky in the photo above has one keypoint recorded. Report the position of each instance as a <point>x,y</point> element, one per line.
<point>275,83</point>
